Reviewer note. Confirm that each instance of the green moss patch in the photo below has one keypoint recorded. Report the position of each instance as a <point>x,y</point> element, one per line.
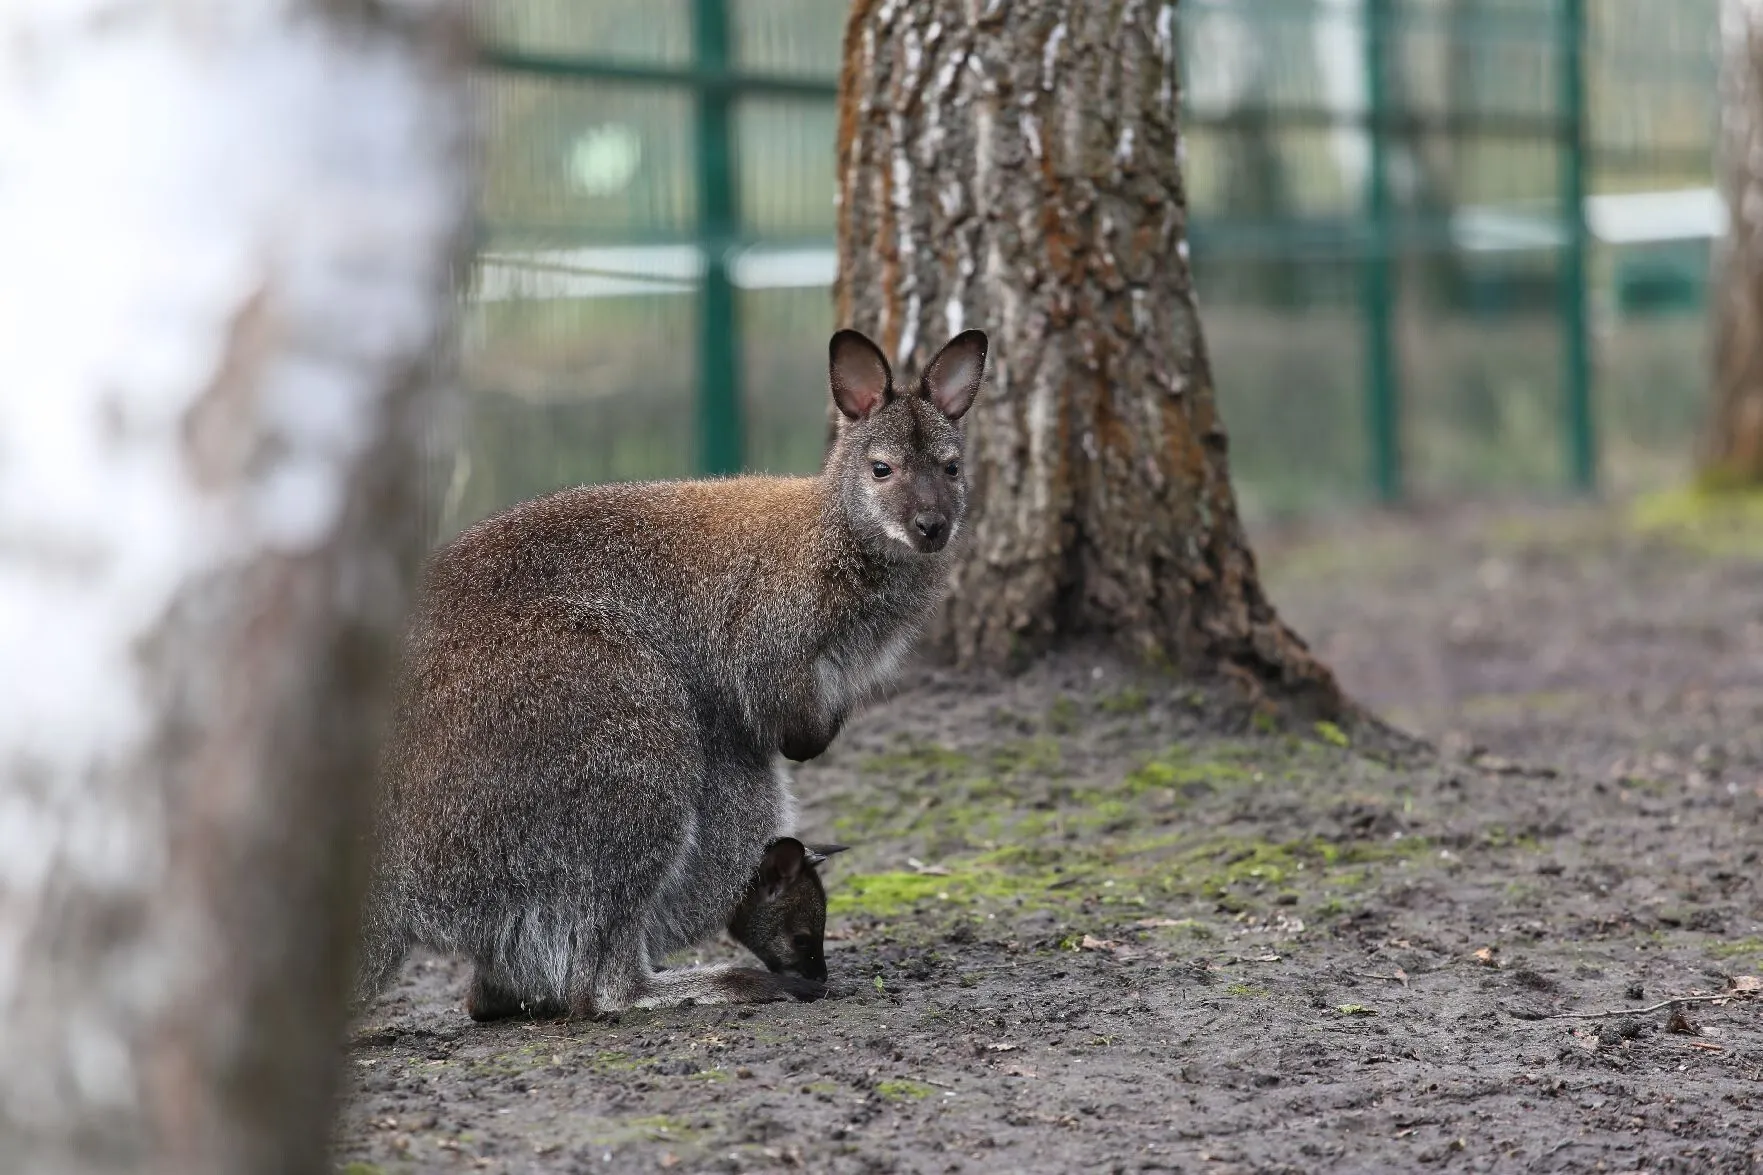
<point>1707,519</point>
<point>902,1090</point>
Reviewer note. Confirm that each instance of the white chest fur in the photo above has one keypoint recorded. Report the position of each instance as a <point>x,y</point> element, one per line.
<point>849,678</point>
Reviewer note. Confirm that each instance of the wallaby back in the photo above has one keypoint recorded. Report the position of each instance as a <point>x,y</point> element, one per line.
<point>583,767</point>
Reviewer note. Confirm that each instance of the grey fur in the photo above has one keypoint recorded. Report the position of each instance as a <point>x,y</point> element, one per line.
<point>597,685</point>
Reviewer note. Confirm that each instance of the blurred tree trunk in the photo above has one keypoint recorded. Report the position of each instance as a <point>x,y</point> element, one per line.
<point>228,228</point>
<point>1015,166</point>
<point>1735,432</point>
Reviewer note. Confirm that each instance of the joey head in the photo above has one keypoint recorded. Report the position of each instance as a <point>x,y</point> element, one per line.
<point>782,916</point>
<point>597,685</point>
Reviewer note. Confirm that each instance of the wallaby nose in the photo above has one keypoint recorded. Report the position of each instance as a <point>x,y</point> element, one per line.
<point>930,525</point>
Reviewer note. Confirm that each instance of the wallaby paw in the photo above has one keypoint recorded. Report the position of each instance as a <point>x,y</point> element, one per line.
<point>805,990</point>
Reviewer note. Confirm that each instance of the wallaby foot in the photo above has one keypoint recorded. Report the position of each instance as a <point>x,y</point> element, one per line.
<point>489,1000</point>
<point>724,985</point>
<point>706,985</point>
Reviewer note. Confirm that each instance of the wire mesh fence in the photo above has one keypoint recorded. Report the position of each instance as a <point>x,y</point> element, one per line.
<point>1442,246</point>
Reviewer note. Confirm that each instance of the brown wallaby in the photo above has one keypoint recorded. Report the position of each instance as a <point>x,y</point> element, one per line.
<point>583,766</point>
<point>781,919</point>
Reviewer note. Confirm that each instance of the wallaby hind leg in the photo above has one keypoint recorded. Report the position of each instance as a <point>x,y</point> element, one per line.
<point>724,984</point>
<point>621,977</point>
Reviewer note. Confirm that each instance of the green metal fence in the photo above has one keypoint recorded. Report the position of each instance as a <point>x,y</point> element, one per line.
<point>1419,228</point>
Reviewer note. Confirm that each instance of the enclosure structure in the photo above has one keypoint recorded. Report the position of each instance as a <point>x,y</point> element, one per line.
<point>1441,246</point>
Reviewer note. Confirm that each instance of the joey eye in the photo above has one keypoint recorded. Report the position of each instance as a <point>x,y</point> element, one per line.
<point>881,469</point>
<point>953,469</point>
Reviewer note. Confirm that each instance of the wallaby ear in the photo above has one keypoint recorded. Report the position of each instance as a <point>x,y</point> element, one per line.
<point>952,379</point>
<point>784,860</point>
<point>817,854</point>
<point>859,374</point>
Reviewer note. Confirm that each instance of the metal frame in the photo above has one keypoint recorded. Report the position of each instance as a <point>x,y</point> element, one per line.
<point>1582,442</point>
<point>1383,401</point>
<point>717,85</point>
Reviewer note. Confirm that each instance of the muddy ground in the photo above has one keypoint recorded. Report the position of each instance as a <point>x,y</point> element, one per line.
<point>1085,929</point>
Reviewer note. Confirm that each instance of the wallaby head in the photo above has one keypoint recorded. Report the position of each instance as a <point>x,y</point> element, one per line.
<point>782,918</point>
<point>898,455</point>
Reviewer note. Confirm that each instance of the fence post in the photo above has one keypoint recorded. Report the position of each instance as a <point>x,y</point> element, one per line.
<point>1582,448</point>
<point>1377,281</point>
<point>720,439</point>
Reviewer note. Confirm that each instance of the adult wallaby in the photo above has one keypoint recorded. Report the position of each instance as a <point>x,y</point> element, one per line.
<point>781,918</point>
<point>583,766</point>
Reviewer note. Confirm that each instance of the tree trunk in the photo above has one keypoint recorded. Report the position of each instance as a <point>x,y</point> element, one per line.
<point>1735,432</point>
<point>1015,166</point>
<point>228,228</point>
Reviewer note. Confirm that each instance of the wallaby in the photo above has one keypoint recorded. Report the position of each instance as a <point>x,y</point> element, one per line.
<point>781,919</point>
<point>583,763</point>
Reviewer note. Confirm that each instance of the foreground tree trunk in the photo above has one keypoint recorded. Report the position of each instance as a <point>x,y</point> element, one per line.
<point>228,227</point>
<point>1014,166</point>
<point>1735,431</point>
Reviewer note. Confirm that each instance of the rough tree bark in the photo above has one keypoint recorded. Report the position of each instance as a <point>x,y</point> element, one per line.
<point>1016,166</point>
<point>228,228</point>
<point>1735,429</point>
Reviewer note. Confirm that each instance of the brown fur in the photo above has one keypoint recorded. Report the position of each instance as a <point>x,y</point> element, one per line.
<point>598,683</point>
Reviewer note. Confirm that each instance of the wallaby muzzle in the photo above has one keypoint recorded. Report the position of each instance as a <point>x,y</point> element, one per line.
<point>930,530</point>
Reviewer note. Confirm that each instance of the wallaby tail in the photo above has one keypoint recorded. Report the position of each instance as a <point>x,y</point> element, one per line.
<point>384,943</point>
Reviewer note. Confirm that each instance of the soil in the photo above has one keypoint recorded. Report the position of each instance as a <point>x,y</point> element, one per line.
<point>1096,919</point>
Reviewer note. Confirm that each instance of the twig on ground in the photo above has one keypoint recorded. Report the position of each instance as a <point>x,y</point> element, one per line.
<point>1648,1010</point>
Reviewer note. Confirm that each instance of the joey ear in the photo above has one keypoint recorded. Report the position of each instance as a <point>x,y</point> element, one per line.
<point>784,860</point>
<point>858,371</point>
<point>817,854</point>
<point>952,379</point>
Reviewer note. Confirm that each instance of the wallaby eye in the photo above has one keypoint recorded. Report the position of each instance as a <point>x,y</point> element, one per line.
<point>953,469</point>
<point>802,942</point>
<point>881,469</point>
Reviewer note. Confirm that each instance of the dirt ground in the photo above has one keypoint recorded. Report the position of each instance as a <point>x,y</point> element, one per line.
<point>1084,927</point>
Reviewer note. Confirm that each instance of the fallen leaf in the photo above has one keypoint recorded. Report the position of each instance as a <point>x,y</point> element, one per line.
<point>670,1159</point>
<point>1019,1071</point>
<point>1002,1047</point>
<point>1156,923</point>
<point>1092,943</point>
<point>928,870</point>
<point>1747,983</point>
<point>1485,956</point>
<point>1680,1024</point>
